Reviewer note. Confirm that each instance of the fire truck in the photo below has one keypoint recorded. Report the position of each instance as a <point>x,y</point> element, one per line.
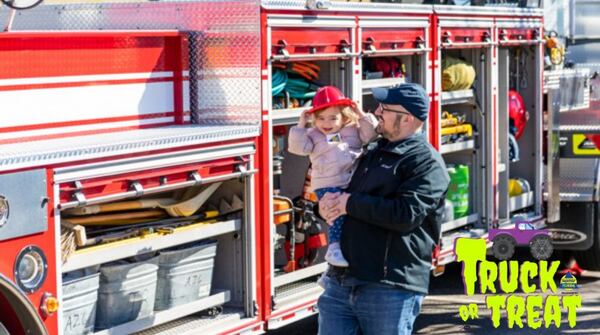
<point>145,185</point>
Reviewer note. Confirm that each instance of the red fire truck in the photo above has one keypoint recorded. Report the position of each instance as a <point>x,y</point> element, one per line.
<point>145,185</point>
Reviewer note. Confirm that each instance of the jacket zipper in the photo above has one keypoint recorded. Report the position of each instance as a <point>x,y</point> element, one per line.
<point>385,256</point>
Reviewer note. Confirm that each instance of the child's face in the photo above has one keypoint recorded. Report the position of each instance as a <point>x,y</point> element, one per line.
<point>329,120</point>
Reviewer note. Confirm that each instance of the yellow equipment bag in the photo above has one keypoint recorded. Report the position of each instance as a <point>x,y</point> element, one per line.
<point>456,74</point>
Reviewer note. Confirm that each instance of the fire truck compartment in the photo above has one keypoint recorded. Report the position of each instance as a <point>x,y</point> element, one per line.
<point>519,72</point>
<point>221,280</point>
<point>393,36</point>
<point>287,105</point>
<point>294,37</point>
<point>464,127</point>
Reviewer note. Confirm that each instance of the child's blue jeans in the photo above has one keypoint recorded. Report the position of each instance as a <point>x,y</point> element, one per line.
<point>335,230</point>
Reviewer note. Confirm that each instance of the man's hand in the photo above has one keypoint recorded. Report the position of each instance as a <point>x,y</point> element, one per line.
<point>333,205</point>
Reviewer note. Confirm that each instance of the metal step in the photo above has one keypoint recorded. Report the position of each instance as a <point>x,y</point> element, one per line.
<point>198,324</point>
<point>294,292</point>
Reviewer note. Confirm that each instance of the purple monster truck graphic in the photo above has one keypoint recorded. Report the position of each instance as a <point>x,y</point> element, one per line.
<point>524,233</point>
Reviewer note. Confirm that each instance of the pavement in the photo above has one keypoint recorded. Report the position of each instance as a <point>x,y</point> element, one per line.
<point>440,310</point>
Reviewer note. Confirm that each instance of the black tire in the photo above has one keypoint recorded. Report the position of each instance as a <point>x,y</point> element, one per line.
<point>503,247</point>
<point>590,259</point>
<point>541,247</point>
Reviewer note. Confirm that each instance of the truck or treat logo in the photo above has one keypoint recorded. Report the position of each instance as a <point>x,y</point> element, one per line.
<point>524,234</point>
<point>525,292</point>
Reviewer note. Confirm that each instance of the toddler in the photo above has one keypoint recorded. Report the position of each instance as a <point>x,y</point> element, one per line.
<point>333,144</point>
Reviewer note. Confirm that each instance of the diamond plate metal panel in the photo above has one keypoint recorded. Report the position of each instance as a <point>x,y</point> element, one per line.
<point>348,6</point>
<point>224,77</point>
<point>196,324</point>
<point>223,44</point>
<point>299,288</point>
<point>579,178</point>
<point>20,155</point>
<point>581,120</point>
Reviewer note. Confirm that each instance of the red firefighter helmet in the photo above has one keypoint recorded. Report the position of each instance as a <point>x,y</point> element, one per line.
<point>517,113</point>
<point>328,96</point>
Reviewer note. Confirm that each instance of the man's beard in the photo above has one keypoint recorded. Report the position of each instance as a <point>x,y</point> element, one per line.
<point>379,128</point>
<point>386,134</point>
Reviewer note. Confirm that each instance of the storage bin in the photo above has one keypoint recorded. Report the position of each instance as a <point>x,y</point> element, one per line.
<point>185,275</point>
<point>80,296</point>
<point>127,292</point>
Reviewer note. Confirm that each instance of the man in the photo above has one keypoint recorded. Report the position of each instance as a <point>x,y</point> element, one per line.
<point>393,205</point>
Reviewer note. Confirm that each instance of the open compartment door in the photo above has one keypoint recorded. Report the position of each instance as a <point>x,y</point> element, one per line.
<point>552,155</point>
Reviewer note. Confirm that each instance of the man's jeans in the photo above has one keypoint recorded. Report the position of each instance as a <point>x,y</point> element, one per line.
<point>371,309</point>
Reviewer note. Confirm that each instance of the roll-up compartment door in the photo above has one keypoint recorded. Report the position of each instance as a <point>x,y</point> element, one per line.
<point>306,37</point>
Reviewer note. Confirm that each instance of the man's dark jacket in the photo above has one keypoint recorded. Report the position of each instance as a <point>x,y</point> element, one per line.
<point>394,213</point>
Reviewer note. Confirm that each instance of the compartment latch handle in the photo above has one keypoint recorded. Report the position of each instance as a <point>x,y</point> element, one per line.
<point>78,195</point>
<point>487,38</point>
<point>370,44</point>
<point>503,35</point>
<point>195,176</point>
<point>345,47</point>
<point>137,188</point>
<point>420,42</point>
<point>282,44</point>
<point>447,37</point>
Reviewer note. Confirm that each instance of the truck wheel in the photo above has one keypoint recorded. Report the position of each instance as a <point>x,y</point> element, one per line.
<point>3,330</point>
<point>590,259</point>
<point>541,247</point>
<point>503,247</point>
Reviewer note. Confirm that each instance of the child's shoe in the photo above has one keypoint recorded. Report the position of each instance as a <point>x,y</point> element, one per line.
<point>322,281</point>
<point>335,257</point>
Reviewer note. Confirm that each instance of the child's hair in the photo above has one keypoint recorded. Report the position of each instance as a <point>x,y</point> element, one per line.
<point>348,115</point>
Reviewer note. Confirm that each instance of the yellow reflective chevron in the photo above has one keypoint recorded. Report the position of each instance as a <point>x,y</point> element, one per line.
<point>581,146</point>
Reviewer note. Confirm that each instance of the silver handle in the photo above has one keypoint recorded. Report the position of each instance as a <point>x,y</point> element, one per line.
<point>520,41</point>
<point>467,44</point>
<point>162,188</point>
<point>312,56</point>
<point>367,53</point>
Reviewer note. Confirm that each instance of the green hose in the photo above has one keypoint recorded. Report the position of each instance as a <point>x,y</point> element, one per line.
<point>278,82</point>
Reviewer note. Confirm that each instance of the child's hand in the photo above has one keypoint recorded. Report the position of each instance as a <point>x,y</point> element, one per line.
<point>303,119</point>
<point>359,112</point>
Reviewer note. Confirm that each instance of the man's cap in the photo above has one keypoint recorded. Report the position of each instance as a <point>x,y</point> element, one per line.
<point>412,97</point>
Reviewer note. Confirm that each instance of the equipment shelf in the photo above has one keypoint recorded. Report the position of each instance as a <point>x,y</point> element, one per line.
<point>383,82</point>
<point>521,201</point>
<point>287,116</point>
<point>139,245</point>
<point>458,97</point>
<point>458,146</point>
